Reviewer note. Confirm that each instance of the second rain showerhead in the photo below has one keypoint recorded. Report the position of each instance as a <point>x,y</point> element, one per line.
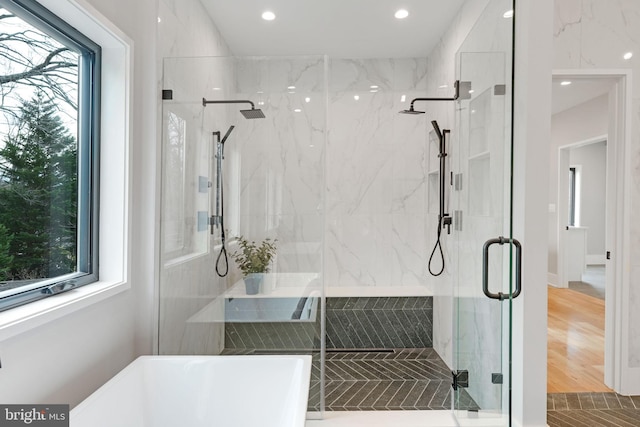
<point>411,111</point>
<point>253,113</point>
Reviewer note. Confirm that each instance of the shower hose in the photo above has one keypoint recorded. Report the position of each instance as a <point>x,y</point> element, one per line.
<point>223,250</point>
<point>437,246</point>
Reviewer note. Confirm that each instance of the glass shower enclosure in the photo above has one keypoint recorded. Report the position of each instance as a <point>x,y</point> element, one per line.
<point>264,178</point>
<point>257,179</point>
<point>487,257</point>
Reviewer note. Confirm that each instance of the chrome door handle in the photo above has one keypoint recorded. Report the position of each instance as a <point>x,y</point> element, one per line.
<point>485,268</point>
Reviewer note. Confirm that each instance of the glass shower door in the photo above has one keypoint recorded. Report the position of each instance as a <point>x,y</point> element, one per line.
<point>487,255</point>
<point>225,168</point>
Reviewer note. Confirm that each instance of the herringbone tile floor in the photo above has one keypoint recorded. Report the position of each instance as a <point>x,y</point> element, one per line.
<point>592,410</point>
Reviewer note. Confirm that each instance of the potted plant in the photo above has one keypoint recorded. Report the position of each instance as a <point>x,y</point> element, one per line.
<point>254,260</point>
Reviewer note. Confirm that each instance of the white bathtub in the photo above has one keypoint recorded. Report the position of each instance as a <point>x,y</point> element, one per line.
<point>198,391</point>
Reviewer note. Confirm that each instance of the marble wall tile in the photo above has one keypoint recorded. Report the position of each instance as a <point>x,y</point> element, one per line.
<point>566,33</point>
<point>608,30</point>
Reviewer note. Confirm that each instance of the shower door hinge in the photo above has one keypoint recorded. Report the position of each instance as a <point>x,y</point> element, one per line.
<point>460,379</point>
<point>496,378</point>
<point>167,94</point>
<point>608,254</point>
<point>500,89</point>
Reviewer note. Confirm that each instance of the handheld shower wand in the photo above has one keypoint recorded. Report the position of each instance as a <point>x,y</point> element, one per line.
<point>444,219</point>
<point>217,220</point>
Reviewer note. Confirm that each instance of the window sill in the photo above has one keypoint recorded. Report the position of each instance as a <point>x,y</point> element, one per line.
<point>30,316</point>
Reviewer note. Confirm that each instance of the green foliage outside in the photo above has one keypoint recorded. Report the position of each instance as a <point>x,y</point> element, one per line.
<point>5,254</point>
<point>38,194</point>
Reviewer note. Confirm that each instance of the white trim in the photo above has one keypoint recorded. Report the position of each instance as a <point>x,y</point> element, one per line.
<point>552,279</point>
<point>115,171</point>
<point>596,259</point>
<point>618,374</point>
<point>29,316</point>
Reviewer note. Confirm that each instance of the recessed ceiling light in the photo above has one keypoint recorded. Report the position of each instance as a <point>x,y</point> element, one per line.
<point>565,83</point>
<point>356,97</point>
<point>307,99</point>
<point>268,15</point>
<point>216,88</point>
<point>628,55</point>
<point>373,87</point>
<point>373,90</point>
<point>508,14</point>
<point>401,13</point>
<point>297,110</point>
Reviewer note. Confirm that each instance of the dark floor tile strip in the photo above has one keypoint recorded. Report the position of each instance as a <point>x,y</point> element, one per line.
<point>608,418</point>
<point>630,417</point>
<point>626,402</point>
<point>586,401</point>
<point>564,419</point>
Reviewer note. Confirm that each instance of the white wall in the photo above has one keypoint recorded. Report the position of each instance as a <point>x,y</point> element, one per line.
<point>593,161</point>
<point>592,34</point>
<point>532,126</point>
<point>64,361</point>
<point>580,123</point>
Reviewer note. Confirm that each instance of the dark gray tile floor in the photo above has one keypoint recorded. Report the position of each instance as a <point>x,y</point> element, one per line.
<point>592,410</point>
<point>403,379</point>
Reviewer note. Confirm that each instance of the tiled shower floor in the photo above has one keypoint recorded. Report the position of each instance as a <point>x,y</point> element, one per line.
<point>400,379</point>
<point>403,379</point>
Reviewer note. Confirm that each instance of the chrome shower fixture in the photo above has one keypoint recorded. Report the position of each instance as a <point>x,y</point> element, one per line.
<point>253,113</point>
<point>457,86</point>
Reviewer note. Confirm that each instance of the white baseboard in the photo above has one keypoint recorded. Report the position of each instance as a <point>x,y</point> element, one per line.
<point>630,382</point>
<point>552,279</point>
<point>596,259</point>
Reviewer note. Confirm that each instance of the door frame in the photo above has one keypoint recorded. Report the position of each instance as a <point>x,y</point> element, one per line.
<point>563,205</point>
<point>616,373</point>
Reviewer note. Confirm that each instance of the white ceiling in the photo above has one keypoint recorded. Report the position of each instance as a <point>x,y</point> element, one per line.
<point>339,28</point>
<point>579,91</point>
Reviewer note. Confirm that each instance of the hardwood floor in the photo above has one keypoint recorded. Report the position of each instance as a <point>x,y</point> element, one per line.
<point>575,360</point>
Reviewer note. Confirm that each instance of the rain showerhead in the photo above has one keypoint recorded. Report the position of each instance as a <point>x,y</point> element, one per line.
<point>411,111</point>
<point>253,113</point>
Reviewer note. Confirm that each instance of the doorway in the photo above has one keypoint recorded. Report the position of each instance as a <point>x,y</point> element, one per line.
<point>582,215</point>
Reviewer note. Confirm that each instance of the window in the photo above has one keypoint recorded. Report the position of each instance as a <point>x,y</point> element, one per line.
<point>574,196</point>
<point>49,127</point>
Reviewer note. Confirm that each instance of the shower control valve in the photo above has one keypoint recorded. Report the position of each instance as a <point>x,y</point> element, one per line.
<point>446,221</point>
